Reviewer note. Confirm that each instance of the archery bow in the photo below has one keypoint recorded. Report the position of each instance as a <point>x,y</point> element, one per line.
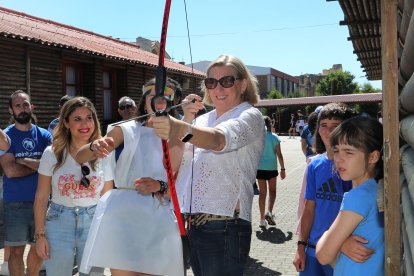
<point>159,99</point>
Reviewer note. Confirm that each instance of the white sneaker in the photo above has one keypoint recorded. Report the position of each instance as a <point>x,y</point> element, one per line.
<point>263,223</point>
<point>4,269</point>
<point>270,218</point>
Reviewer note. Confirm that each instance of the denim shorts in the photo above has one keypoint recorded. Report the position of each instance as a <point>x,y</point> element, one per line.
<point>18,223</point>
<point>67,229</point>
<point>220,247</point>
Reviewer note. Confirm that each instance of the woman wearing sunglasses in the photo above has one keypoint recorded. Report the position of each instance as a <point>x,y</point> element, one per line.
<point>62,228</point>
<point>219,154</point>
<point>134,230</point>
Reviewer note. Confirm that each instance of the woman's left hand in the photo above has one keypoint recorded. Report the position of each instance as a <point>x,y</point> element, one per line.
<point>282,174</point>
<point>147,185</point>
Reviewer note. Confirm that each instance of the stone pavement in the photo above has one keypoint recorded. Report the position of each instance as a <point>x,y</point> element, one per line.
<point>272,249</point>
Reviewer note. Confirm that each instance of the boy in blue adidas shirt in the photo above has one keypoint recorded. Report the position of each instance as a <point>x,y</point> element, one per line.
<point>324,192</point>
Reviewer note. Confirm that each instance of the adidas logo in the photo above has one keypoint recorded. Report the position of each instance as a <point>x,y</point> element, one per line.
<point>328,191</point>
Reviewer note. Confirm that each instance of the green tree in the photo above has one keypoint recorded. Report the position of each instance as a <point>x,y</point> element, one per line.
<point>367,88</point>
<point>369,108</point>
<point>295,94</point>
<point>336,83</point>
<point>274,94</point>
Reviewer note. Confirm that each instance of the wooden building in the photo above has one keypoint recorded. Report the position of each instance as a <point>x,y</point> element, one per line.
<point>382,34</point>
<point>47,60</point>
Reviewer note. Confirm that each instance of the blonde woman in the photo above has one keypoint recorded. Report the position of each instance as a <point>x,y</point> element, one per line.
<point>219,153</point>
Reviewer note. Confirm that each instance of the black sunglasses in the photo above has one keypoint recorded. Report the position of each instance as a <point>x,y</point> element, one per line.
<point>85,172</point>
<point>225,82</point>
<point>127,106</point>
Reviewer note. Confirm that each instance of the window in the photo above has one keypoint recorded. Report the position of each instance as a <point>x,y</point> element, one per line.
<point>107,94</point>
<point>72,79</point>
<point>272,82</point>
<point>279,84</point>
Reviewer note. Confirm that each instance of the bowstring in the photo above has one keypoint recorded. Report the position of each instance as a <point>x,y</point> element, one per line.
<point>194,121</point>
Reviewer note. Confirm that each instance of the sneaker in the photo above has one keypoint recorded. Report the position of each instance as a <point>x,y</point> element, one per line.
<point>4,268</point>
<point>262,223</point>
<point>270,218</point>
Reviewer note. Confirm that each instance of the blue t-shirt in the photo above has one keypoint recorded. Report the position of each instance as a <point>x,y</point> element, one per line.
<point>363,201</point>
<point>26,144</point>
<point>327,190</point>
<point>268,162</point>
<point>308,136</point>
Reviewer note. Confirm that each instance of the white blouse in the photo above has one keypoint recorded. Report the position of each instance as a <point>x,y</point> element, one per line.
<point>215,181</point>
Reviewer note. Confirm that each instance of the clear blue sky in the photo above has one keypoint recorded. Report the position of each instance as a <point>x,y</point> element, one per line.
<point>293,36</point>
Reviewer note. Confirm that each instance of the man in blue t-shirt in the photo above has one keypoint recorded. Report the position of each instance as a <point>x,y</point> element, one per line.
<point>20,164</point>
<point>55,121</point>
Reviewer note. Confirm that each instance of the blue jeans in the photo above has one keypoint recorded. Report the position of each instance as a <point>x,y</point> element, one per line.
<point>66,231</point>
<point>220,247</point>
<point>18,223</point>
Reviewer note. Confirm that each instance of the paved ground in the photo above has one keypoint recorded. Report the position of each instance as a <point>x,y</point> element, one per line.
<point>273,249</point>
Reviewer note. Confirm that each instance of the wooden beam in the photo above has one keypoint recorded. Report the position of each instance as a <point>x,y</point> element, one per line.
<point>374,50</point>
<point>363,37</point>
<point>369,58</point>
<point>391,137</point>
<point>359,22</point>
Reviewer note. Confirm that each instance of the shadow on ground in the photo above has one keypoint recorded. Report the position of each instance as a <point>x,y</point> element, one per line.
<point>273,235</point>
<point>255,268</point>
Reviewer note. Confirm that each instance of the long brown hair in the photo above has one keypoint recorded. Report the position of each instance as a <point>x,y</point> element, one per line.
<point>62,136</point>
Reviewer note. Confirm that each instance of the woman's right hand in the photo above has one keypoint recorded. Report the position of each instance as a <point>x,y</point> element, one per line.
<point>103,146</point>
<point>191,108</point>
<point>42,248</point>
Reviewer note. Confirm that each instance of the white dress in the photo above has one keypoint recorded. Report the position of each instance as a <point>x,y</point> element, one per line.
<point>131,231</point>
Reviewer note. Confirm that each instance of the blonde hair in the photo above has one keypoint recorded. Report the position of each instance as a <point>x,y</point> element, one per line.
<point>251,94</point>
<point>62,136</point>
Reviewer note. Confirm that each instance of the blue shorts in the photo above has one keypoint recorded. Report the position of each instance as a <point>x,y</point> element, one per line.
<point>19,225</point>
<point>313,267</point>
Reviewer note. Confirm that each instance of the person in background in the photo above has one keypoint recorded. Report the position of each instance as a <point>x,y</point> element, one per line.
<point>62,228</point>
<point>307,135</point>
<point>219,153</point>
<point>20,165</point>
<point>323,194</point>
<point>357,148</point>
<point>127,108</point>
<point>300,122</point>
<point>292,126</point>
<point>267,174</point>
<point>379,116</point>
<point>55,121</point>
<point>134,231</point>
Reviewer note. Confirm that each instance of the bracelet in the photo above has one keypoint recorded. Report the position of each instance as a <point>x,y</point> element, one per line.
<point>163,186</point>
<point>90,146</point>
<point>37,236</point>
<point>302,243</point>
<point>282,169</point>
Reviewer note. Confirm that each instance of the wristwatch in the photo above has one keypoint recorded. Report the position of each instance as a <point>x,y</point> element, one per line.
<point>302,243</point>
<point>188,135</point>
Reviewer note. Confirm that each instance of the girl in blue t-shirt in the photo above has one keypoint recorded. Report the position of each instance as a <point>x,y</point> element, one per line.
<point>357,145</point>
